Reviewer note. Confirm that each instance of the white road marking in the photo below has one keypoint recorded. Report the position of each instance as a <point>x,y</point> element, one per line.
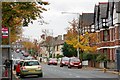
<point>77,76</point>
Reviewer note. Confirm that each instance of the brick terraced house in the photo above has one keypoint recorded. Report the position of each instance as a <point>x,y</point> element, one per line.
<point>107,26</point>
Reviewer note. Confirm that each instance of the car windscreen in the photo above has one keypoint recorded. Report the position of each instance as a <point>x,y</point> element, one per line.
<point>65,59</point>
<point>53,59</point>
<point>31,63</point>
<point>75,60</point>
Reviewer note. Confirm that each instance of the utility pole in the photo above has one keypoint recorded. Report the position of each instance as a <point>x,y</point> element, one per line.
<point>78,49</point>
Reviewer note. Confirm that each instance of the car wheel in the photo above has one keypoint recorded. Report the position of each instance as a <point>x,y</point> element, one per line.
<point>40,75</point>
<point>61,65</point>
<point>21,76</point>
<point>69,66</point>
<point>79,67</point>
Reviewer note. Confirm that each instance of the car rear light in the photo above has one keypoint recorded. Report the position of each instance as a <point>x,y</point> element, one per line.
<point>23,68</point>
<point>39,67</point>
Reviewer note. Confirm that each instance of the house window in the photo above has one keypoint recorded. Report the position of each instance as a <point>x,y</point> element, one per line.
<point>57,47</point>
<point>103,21</point>
<point>105,35</point>
<point>105,51</point>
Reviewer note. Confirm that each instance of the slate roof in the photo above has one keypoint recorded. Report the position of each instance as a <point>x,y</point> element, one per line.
<point>104,10</point>
<point>96,13</point>
<point>118,7</point>
<point>96,16</point>
<point>87,19</point>
<point>111,7</point>
<point>59,42</point>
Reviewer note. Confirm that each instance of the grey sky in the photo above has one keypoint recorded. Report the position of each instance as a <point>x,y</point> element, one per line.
<point>58,22</point>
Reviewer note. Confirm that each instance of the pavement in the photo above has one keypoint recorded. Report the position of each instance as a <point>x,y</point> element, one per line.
<point>15,77</point>
<point>112,71</point>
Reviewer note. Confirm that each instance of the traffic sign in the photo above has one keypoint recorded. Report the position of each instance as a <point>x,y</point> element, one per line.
<point>4,32</point>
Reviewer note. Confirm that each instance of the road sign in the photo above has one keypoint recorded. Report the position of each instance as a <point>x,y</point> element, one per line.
<point>4,32</point>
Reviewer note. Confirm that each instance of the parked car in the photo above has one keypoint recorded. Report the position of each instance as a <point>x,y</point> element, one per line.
<point>64,61</point>
<point>52,61</point>
<point>29,58</point>
<point>25,54</point>
<point>74,62</point>
<point>31,67</point>
<point>18,66</point>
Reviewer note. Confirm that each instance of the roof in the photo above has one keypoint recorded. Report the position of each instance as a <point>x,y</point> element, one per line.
<point>96,13</point>
<point>87,19</point>
<point>59,42</point>
<point>118,7</point>
<point>111,7</point>
<point>104,9</point>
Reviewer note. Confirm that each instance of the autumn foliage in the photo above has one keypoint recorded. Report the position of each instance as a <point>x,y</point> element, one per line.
<point>87,42</point>
<point>19,14</point>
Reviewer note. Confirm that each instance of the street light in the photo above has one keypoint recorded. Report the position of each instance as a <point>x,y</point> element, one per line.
<point>78,50</point>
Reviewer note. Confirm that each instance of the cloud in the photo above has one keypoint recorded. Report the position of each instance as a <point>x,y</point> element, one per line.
<point>58,22</point>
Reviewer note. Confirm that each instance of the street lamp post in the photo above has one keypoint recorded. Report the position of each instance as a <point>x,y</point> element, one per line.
<point>78,49</point>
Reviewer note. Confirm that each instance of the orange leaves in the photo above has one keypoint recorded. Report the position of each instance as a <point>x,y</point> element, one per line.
<point>85,42</point>
<point>45,3</point>
<point>28,44</point>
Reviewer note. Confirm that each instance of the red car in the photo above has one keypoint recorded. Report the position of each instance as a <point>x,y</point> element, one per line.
<point>74,62</point>
<point>25,54</point>
<point>52,61</point>
<point>18,67</point>
<point>64,61</point>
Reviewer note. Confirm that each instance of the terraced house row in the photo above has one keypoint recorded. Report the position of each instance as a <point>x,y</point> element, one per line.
<point>107,26</point>
<point>105,21</point>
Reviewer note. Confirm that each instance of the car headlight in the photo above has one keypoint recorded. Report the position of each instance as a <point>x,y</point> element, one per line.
<point>63,62</point>
<point>79,63</point>
<point>71,63</point>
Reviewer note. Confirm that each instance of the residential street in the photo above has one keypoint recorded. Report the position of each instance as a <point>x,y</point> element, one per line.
<point>56,72</point>
<point>60,40</point>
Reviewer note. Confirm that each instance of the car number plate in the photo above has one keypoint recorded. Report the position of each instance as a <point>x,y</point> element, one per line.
<point>76,65</point>
<point>31,70</point>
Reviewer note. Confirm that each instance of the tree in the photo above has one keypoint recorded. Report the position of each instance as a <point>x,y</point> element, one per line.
<point>28,45</point>
<point>69,50</point>
<point>85,40</point>
<point>18,14</point>
<point>102,57</point>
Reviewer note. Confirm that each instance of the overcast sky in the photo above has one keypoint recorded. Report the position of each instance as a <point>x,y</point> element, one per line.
<point>58,22</point>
